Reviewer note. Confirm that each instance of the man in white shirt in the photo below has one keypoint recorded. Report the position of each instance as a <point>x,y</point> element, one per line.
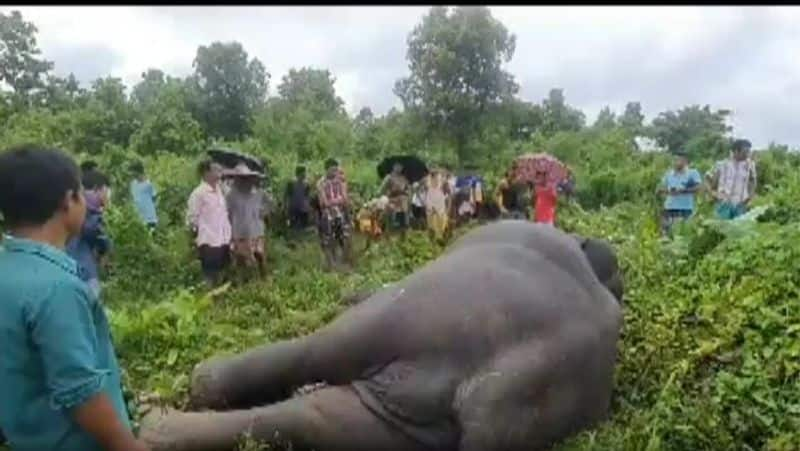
<point>207,217</point>
<point>732,182</point>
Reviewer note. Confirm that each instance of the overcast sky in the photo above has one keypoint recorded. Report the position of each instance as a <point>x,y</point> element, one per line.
<point>741,58</point>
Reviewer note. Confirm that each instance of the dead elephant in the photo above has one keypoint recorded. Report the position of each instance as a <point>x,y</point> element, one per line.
<point>506,342</point>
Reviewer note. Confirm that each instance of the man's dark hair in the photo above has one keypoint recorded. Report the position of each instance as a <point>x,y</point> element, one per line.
<point>299,171</point>
<point>741,144</point>
<point>330,162</point>
<point>681,153</point>
<point>203,167</point>
<point>33,182</point>
<point>94,179</point>
<point>137,168</point>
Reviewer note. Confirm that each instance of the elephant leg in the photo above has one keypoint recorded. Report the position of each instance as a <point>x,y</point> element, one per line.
<point>331,419</point>
<point>336,355</point>
<point>256,377</point>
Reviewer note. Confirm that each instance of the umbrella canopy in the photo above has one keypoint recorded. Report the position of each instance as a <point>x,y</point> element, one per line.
<point>231,158</point>
<point>414,169</point>
<point>242,170</point>
<point>525,168</point>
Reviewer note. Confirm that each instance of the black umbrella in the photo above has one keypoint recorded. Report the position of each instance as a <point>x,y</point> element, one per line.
<point>414,169</point>
<point>230,158</point>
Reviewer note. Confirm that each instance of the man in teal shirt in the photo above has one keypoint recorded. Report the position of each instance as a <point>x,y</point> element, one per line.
<point>680,185</point>
<point>60,384</point>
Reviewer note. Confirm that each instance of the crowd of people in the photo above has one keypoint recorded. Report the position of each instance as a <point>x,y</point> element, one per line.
<point>731,183</point>
<point>226,213</point>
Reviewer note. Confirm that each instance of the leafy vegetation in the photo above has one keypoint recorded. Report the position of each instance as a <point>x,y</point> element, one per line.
<point>710,353</point>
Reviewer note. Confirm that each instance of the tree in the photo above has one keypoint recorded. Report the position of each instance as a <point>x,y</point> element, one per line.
<point>229,88</point>
<point>147,90</point>
<point>167,125</point>
<point>606,119</point>
<point>313,90</point>
<point>560,117</point>
<point>107,119</point>
<point>21,67</point>
<point>456,59</point>
<point>364,118</point>
<point>517,119</point>
<point>706,129</point>
<point>284,128</point>
<point>61,94</point>
<point>632,119</point>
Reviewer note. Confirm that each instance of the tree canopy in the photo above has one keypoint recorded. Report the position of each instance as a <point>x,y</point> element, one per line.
<point>456,59</point>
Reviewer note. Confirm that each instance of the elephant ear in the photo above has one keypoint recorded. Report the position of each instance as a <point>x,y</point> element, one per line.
<point>580,239</point>
<point>603,261</point>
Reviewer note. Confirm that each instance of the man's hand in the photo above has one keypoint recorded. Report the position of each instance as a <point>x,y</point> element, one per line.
<point>192,231</point>
<point>98,418</point>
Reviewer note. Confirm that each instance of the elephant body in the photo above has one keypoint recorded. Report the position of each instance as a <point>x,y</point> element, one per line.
<point>505,342</point>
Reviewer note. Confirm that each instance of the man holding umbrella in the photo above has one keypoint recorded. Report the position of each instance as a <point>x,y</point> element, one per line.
<point>395,186</point>
<point>247,209</point>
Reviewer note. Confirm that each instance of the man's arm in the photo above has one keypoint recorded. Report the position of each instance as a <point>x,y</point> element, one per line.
<point>384,185</point>
<point>694,178</point>
<point>753,182</point>
<point>94,234</point>
<point>345,195</point>
<point>712,181</point>
<point>323,201</point>
<point>229,210</point>
<point>63,331</point>
<point>193,210</point>
<point>99,419</point>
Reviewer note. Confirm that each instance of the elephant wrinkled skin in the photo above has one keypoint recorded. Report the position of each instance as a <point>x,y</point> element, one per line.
<point>505,342</point>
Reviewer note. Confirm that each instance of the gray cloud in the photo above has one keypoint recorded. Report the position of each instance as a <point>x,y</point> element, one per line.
<point>86,62</point>
<point>725,70</point>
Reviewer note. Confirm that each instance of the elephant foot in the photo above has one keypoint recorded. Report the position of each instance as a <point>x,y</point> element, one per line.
<point>154,432</point>
<point>205,389</point>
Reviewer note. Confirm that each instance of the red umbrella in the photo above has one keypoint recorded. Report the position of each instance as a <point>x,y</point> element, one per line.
<point>525,168</point>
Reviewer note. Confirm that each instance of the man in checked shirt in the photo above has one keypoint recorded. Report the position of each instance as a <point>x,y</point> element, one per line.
<point>335,227</point>
<point>732,182</point>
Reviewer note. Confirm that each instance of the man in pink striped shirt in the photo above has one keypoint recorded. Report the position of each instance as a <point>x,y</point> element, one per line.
<point>207,217</point>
